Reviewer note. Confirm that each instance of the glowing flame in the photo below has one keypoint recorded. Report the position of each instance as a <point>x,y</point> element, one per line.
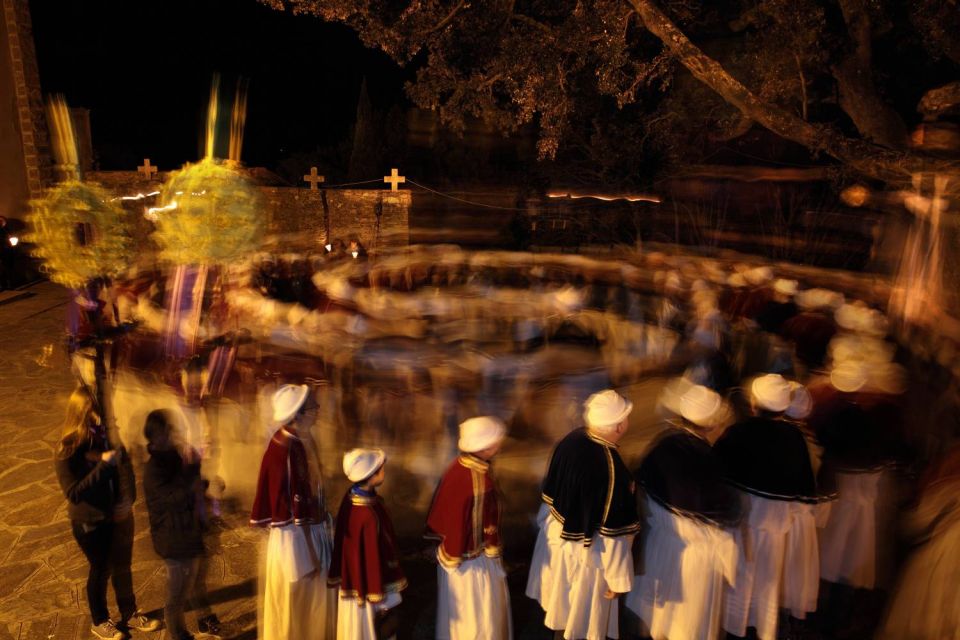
<point>354,253</point>
<point>14,241</point>
<point>629,197</point>
<point>328,247</point>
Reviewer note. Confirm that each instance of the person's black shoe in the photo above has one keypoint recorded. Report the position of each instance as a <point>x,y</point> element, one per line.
<point>209,626</point>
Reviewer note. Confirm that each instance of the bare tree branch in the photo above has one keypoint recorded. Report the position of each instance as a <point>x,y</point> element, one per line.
<point>865,157</point>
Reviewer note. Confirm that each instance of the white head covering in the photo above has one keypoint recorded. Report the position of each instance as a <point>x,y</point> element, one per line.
<point>785,287</point>
<point>701,405</point>
<point>771,392</point>
<point>737,280</point>
<point>360,464</point>
<point>848,316</point>
<point>672,394</point>
<point>848,376</point>
<point>819,299</point>
<point>606,408</point>
<point>759,275</point>
<point>287,400</point>
<point>476,434</point>
<point>888,377</point>
<point>800,402</point>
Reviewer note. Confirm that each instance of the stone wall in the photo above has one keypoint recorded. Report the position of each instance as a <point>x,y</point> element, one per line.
<point>24,143</point>
<point>295,219</point>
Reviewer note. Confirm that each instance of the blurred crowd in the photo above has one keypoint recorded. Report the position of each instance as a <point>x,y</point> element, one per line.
<point>795,487</point>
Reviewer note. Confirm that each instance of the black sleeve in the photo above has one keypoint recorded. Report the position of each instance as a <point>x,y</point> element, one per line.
<point>76,486</point>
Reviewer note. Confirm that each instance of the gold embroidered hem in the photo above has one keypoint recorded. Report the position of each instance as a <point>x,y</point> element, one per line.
<point>374,598</point>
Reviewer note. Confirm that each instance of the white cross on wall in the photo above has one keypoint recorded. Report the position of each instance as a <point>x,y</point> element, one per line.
<point>146,169</point>
<point>313,178</point>
<point>394,179</point>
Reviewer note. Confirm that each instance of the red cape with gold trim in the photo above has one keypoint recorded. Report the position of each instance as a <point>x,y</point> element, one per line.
<point>366,563</point>
<point>465,513</point>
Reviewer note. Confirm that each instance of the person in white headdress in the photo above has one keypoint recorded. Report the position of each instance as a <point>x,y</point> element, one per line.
<point>366,560</point>
<point>582,560</point>
<point>689,552</point>
<point>472,596</point>
<point>766,458</point>
<point>297,602</point>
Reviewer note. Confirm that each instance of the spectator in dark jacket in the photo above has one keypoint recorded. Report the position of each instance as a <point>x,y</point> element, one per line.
<point>174,492</point>
<point>98,482</point>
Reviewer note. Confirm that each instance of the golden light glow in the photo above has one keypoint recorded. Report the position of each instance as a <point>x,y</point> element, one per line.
<point>629,197</point>
<point>855,195</point>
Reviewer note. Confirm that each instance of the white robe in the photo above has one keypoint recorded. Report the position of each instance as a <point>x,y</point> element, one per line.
<point>356,619</point>
<point>686,563</point>
<point>778,567</point>
<point>297,604</point>
<point>473,601</point>
<point>569,580</point>
<point>848,542</point>
<point>926,603</point>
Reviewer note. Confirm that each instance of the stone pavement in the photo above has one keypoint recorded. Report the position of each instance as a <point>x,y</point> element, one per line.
<point>42,572</point>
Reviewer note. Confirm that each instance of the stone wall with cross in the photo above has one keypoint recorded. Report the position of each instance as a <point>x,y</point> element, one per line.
<point>295,216</point>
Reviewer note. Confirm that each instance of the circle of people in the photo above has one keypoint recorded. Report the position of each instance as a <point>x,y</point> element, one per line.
<point>730,509</point>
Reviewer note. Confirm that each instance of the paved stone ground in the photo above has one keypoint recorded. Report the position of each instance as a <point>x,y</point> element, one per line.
<point>42,573</point>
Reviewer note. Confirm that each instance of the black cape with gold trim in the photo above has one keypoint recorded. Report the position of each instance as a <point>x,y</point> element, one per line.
<point>681,472</point>
<point>589,489</point>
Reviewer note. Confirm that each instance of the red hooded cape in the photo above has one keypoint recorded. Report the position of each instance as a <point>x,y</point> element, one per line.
<point>365,563</point>
<point>465,514</point>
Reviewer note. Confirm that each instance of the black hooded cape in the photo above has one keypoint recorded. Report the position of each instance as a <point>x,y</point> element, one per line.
<point>768,458</point>
<point>683,474</point>
<point>589,489</point>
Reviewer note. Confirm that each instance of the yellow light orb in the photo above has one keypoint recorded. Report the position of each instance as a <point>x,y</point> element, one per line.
<point>209,213</point>
<point>80,233</point>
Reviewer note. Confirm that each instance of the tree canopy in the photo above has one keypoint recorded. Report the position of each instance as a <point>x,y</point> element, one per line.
<point>841,78</point>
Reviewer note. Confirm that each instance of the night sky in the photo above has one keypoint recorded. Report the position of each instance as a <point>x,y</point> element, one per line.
<point>144,71</point>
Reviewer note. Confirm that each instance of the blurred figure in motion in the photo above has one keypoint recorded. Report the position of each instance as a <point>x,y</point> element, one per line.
<point>473,600</point>
<point>689,551</point>
<point>926,602</point>
<point>583,555</point>
<point>98,482</point>
<point>174,493</point>
<point>767,460</point>
<point>366,561</point>
<point>297,602</point>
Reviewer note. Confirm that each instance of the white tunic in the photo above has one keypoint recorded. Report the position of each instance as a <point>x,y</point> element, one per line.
<point>569,580</point>
<point>926,603</point>
<point>848,542</point>
<point>356,619</point>
<point>778,567</point>
<point>473,601</point>
<point>297,602</point>
<point>686,563</point>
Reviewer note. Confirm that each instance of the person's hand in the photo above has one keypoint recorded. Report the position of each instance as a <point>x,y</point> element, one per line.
<point>610,594</point>
<point>110,457</point>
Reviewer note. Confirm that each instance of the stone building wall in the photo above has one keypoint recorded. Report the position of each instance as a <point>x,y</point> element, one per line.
<point>295,218</point>
<point>25,148</point>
